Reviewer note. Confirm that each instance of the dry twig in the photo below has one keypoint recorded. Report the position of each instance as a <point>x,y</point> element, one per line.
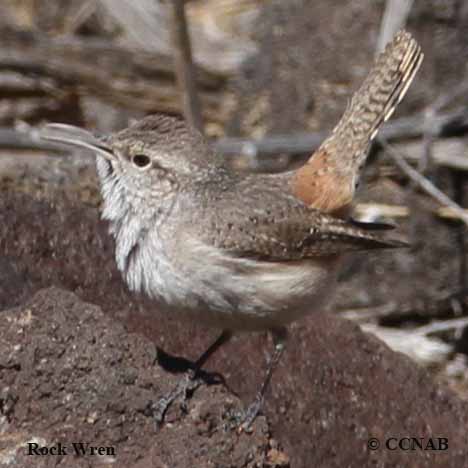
<point>424,183</point>
<point>184,66</point>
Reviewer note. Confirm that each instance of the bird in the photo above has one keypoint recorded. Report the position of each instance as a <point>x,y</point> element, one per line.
<point>240,251</point>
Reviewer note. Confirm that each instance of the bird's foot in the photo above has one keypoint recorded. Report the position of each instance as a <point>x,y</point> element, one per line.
<point>190,382</point>
<point>183,390</point>
<point>251,414</point>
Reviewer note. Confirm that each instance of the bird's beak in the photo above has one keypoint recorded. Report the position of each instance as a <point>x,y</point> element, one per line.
<point>70,135</point>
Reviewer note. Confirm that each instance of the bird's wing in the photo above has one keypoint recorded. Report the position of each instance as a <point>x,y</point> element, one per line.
<point>283,229</point>
<point>328,180</point>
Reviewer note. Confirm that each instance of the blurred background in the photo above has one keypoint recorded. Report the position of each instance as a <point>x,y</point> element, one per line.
<point>270,79</point>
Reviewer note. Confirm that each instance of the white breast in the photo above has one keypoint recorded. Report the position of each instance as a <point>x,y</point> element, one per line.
<point>230,292</point>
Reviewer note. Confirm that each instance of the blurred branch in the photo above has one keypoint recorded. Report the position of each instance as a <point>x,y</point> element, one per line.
<point>184,66</point>
<point>85,11</point>
<point>374,211</point>
<point>431,128</point>
<point>426,350</point>
<point>419,343</point>
<point>394,18</point>
<point>405,127</point>
<point>446,152</point>
<point>11,138</point>
<point>424,183</point>
<point>442,326</point>
<point>146,25</point>
<point>443,306</point>
<point>447,98</point>
<point>458,179</point>
<point>134,79</point>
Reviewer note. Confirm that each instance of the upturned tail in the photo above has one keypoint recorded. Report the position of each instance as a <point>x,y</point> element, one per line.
<point>328,180</point>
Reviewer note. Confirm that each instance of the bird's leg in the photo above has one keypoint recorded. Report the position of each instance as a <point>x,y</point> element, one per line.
<point>190,382</point>
<point>279,340</point>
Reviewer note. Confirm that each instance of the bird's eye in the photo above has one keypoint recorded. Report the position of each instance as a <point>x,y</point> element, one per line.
<point>141,161</point>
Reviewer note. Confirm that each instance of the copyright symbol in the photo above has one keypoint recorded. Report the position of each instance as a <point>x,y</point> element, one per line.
<point>373,443</point>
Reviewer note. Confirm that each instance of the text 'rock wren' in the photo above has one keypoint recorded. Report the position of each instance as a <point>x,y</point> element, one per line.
<point>240,252</point>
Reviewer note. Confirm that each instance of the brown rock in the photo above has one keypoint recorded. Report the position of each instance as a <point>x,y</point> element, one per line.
<point>70,374</point>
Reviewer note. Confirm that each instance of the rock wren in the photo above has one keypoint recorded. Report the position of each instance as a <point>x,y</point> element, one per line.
<point>240,252</point>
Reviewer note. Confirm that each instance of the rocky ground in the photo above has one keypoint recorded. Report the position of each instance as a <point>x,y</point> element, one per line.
<point>82,359</point>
